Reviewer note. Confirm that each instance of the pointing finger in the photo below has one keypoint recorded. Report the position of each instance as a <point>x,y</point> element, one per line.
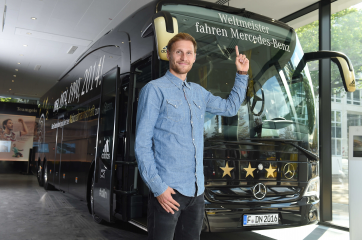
<point>237,50</point>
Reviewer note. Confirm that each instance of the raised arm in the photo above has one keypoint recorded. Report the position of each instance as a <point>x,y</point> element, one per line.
<point>230,106</point>
<point>147,114</point>
<point>24,131</point>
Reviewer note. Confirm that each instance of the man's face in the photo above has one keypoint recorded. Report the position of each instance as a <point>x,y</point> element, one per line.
<point>9,125</point>
<point>181,56</point>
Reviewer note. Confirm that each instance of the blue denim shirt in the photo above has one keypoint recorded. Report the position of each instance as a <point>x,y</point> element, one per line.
<point>169,132</point>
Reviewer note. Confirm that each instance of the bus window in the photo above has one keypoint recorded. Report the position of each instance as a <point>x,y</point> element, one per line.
<point>143,75</point>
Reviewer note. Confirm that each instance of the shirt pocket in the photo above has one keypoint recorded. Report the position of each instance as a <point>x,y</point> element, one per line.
<point>174,110</point>
<point>199,114</point>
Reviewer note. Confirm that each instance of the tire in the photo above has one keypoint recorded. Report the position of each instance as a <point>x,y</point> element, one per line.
<point>47,185</point>
<point>96,218</point>
<point>40,174</point>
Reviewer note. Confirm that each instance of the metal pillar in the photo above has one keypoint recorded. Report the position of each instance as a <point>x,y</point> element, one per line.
<point>325,112</point>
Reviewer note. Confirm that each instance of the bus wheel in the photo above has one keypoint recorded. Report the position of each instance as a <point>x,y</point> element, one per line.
<point>40,174</point>
<point>47,185</point>
<point>96,218</point>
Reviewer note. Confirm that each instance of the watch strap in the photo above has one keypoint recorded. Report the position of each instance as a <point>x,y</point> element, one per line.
<point>242,72</point>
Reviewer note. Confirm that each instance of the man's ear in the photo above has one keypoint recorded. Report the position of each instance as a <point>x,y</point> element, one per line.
<point>194,58</point>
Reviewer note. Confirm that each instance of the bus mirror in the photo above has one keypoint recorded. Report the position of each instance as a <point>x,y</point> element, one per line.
<point>347,74</point>
<point>344,65</point>
<point>165,27</point>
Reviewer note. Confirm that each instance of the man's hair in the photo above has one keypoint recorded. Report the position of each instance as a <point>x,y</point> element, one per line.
<point>5,122</point>
<point>179,37</point>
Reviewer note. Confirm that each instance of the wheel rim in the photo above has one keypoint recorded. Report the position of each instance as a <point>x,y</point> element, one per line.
<point>39,172</point>
<point>45,174</point>
<point>91,196</point>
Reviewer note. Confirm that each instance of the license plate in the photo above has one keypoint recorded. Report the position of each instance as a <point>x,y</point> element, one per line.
<point>260,219</point>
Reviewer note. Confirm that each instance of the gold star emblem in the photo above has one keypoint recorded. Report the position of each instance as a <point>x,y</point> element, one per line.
<point>249,170</point>
<point>226,169</point>
<point>270,171</point>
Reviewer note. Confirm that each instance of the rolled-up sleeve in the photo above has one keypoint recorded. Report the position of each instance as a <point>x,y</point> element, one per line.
<point>230,106</point>
<point>147,114</point>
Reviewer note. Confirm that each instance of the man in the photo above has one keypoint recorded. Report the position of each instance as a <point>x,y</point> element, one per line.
<point>8,127</point>
<point>169,141</point>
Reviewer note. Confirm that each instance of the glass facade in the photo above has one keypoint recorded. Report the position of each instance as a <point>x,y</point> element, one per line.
<point>346,110</point>
<point>346,107</point>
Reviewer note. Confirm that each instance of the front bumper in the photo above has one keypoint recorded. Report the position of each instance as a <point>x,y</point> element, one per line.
<point>228,217</point>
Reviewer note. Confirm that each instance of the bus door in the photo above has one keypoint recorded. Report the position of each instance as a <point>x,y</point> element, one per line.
<point>58,155</point>
<point>106,142</point>
<point>108,136</point>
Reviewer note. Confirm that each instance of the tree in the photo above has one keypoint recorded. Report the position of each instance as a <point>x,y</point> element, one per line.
<point>346,38</point>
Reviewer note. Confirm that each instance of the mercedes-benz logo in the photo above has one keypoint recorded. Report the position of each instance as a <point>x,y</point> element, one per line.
<point>288,171</point>
<point>259,191</point>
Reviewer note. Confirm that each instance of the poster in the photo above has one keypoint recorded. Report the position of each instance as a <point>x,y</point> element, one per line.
<point>16,137</point>
<point>357,146</point>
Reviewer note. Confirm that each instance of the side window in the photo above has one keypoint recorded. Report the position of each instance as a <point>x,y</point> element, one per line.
<point>143,75</point>
<point>123,98</point>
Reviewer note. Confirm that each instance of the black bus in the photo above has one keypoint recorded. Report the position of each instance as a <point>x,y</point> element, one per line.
<point>260,166</point>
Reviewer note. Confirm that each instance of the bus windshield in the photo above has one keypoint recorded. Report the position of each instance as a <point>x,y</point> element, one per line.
<point>276,106</point>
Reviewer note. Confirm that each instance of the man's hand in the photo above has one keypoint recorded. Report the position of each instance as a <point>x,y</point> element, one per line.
<point>241,62</point>
<point>167,202</point>
<point>21,120</point>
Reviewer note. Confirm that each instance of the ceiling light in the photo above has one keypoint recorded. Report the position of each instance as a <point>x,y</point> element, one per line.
<point>10,89</point>
<point>16,69</point>
<point>33,18</point>
<point>14,75</point>
<point>21,55</point>
<point>72,49</point>
<point>18,63</point>
<point>12,80</point>
<point>28,33</point>
<point>25,45</point>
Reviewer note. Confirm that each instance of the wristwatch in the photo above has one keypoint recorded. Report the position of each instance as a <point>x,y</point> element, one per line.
<point>242,72</point>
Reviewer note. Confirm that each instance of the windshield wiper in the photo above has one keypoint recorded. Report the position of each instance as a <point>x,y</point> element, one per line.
<point>235,143</point>
<point>306,152</point>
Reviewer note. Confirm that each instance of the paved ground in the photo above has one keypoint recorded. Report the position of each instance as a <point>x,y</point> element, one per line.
<point>28,212</point>
<point>340,200</point>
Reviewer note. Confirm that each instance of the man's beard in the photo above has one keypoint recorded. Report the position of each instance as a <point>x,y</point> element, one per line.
<point>176,68</point>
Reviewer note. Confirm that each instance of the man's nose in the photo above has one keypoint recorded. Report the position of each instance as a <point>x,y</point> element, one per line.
<point>183,56</point>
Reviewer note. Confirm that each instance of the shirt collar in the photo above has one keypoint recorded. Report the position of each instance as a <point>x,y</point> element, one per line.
<point>175,80</point>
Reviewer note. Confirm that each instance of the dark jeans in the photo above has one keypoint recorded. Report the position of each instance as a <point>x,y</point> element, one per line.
<point>185,224</point>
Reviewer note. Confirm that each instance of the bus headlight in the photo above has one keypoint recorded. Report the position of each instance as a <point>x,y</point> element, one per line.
<point>312,188</point>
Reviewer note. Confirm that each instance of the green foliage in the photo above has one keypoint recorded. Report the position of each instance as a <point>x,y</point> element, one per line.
<point>5,99</point>
<point>346,36</point>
